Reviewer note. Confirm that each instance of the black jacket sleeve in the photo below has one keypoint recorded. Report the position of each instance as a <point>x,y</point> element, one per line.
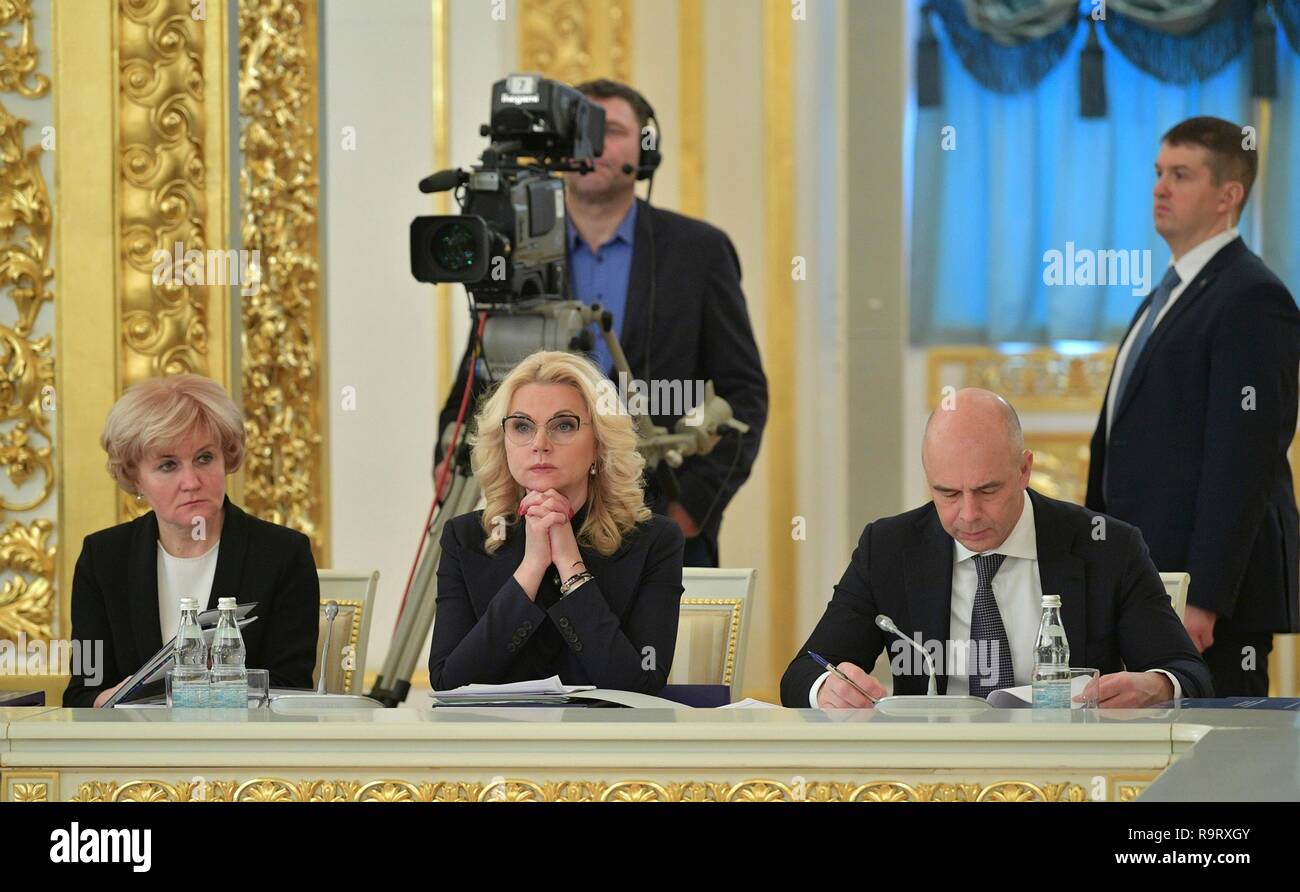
<point>729,358</point>
<point>1253,361</point>
<point>90,631</point>
<point>1150,633</point>
<point>636,655</point>
<point>469,651</point>
<point>847,631</point>
<point>293,627</point>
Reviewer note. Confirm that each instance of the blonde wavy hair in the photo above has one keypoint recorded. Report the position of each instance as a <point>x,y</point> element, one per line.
<point>615,495</point>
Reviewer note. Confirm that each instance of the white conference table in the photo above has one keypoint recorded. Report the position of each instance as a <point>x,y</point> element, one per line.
<point>463,754</point>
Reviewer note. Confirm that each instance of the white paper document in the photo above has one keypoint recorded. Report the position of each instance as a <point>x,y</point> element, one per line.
<point>750,703</point>
<point>530,690</point>
<point>1023,696</point>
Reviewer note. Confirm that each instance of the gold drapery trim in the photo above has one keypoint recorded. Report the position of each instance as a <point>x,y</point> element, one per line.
<point>279,184</point>
<point>27,560</point>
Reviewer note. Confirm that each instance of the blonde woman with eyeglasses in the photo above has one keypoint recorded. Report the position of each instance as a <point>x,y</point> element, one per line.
<point>565,572</point>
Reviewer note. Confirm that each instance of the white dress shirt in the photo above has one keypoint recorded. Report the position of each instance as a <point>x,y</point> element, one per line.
<point>180,577</point>
<point>1189,266</point>
<point>1018,591</point>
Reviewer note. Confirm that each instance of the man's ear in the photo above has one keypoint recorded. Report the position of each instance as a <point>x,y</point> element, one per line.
<point>1026,465</point>
<point>1234,195</point>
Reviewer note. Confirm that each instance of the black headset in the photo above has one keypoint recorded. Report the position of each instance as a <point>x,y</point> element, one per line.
<point>650,158</point>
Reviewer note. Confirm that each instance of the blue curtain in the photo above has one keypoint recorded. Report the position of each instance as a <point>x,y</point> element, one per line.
<point>1029,175</point>
<point>1281,186</point>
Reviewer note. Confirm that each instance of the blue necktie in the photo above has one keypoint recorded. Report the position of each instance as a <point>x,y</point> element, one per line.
<point>1158,299</point>
<point>987,631</point>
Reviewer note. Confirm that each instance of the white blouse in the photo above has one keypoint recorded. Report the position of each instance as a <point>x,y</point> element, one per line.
<point>180,577</point>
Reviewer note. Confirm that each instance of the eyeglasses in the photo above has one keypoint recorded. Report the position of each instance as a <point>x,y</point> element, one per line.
<point>522,430</point>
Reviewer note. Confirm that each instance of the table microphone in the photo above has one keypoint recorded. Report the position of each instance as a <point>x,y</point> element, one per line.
<point>886,624</point>
<point>931,703</point>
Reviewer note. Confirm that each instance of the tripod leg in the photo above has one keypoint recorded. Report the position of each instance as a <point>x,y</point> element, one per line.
<point>413,625</point>
<point>426,588</point>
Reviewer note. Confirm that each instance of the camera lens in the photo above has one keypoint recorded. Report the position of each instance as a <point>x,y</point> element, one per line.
<point>454,247</point>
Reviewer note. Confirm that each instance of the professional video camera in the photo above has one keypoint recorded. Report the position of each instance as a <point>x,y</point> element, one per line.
<point>507,244</point>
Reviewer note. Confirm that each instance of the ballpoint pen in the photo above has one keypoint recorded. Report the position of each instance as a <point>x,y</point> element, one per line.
<point>825,664</point>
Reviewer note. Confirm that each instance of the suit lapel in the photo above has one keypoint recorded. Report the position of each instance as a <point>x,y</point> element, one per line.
<point>1061,572</point>
<point>927,580</point>
<point>1146,302</point>
<point>230,558</point>
<point>637,311</point>
<point>142,587</point>
<point>1194,291</point>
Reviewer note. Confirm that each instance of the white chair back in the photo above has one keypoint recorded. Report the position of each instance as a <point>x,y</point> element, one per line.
<point>1176,586</point>
<point>713,628</point>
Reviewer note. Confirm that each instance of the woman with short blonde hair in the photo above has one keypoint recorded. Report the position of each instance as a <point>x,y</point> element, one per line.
<point>171,442</point>
<point>565,571</point>
<point>158,411</point>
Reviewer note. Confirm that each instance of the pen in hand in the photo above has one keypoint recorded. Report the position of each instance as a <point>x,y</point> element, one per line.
<point>825,664</point>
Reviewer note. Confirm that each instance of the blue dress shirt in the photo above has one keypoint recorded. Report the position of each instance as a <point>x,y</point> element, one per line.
<point>602,277</point>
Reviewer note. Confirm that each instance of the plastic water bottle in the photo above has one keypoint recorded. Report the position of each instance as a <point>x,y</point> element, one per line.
<point>190,679</point>
<point>229,676</point>
<point>1051,659</point>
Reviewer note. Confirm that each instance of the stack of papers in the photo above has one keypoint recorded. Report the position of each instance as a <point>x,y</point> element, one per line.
<point>539,690</point>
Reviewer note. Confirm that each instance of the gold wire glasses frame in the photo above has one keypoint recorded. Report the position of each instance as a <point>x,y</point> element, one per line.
<point>521,430</point>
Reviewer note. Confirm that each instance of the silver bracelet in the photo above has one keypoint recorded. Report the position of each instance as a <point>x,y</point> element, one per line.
<point>573,582</point>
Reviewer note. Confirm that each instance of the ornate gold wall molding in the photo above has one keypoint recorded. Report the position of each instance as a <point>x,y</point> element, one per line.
<point>171,191</point>
<point>575,40</point>
<point>279,184</point>
<point>1040,380</point>
<point>271,789</point>
<point>18,62</point>
<point>29,786</point>
<point>1060,464</point>
<point>26,360</point>
<point>87,324</point>
<point>161,132</point>
<point>780,326</point>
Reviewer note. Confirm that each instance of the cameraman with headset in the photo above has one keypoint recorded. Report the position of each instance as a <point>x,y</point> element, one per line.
<point>672,285</point>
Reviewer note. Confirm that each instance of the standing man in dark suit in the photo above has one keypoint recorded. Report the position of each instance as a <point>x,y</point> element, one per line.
<point>964,576</point>
<point>1201,408</point>
<point>672,284</point>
